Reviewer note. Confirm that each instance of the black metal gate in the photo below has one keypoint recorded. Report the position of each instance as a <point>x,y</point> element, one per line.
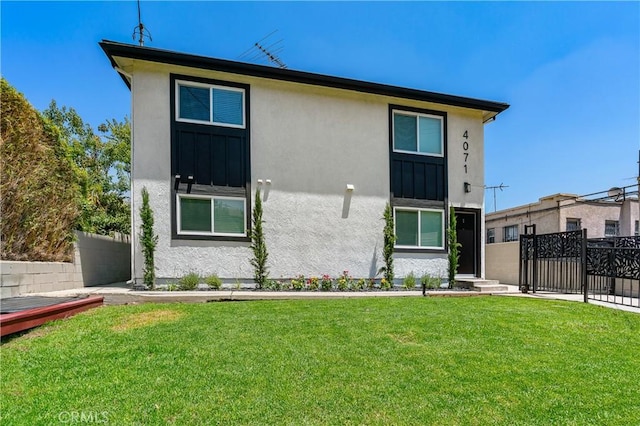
<point>553,262</point>
<point>605,269</point>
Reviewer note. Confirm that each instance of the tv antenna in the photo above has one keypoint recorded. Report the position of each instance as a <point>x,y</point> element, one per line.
<point>500,187</point>
<point>260,50</point>
<point>140,31</point>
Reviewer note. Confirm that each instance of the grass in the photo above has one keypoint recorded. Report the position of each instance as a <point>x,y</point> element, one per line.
<point>444,361</point>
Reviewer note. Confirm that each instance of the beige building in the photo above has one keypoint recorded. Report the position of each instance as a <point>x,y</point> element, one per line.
<point>328,154</point>
<point>614,213</point>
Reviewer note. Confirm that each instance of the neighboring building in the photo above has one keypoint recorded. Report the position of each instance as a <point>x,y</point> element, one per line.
<point>608,216</point>
<point>328,154</point>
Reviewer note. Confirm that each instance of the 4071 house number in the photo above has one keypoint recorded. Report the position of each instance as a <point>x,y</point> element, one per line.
<point>465,150</point>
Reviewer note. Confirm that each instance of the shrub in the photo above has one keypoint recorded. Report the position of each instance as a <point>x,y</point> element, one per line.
<point>213,281</point>
<point>371,283</point>
<point>409,282</point>
<point>359,284</point>
<point>189,281</point>
<point>313,283</point>
<point>273,285</point>
<point>298,283</point>
<point>344,281</point>
<point>326,283</point>
<point>454,247</point>
<point>429,282</point>
<point>258,244</point>
<point>385,284</point>
<point>148,240</point>
<point>389,243</point>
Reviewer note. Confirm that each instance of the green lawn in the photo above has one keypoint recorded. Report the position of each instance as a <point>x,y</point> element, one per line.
<point>444,361</point>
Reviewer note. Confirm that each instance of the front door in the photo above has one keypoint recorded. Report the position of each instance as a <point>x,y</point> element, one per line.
<point>467,231</point>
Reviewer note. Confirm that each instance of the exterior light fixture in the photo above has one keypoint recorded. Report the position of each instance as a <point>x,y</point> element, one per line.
<point>350,187</point>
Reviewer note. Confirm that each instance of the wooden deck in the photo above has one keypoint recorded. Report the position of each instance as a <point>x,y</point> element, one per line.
<point>22,313</point>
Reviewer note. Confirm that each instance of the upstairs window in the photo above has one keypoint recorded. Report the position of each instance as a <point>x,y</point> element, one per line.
<point>611,228</point>
<point>510,233</point>
<point>573,225</point>
<point>418,133</point>
<point>491,235</point>
<point>210,104</point>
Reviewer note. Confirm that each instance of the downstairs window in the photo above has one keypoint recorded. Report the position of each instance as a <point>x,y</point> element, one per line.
<point>419,228</point>
<point>210,215</point>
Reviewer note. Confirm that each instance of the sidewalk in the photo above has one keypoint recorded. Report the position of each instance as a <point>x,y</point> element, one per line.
<point>121,293</point>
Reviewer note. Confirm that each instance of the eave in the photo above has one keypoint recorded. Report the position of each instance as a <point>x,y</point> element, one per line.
<point>115,50</point>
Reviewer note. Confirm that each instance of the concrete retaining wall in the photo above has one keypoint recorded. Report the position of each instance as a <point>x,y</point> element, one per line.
<point>501,260</point>
<point>97,260</point>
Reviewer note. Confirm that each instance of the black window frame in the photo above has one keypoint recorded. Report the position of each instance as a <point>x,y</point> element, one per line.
<point>209,189</point>
<point>440,201</point>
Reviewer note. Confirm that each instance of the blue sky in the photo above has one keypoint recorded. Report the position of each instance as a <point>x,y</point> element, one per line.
<point>570,70</point>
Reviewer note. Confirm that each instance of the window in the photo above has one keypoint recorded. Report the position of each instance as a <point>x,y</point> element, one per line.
<point>419,228</point>
<point>210,215</point>
<point>209,104</point>
<point>418,133</point>
<point>573,225</point>
<point>611,228</point>
<point>510,233</point>
<point>637,233</point>
<point>491,235</point>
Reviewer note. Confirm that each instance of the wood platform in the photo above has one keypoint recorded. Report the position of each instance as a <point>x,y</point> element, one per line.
<point>22,313</point>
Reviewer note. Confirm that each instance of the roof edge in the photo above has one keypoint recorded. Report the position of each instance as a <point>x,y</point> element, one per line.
<point>113,49</point>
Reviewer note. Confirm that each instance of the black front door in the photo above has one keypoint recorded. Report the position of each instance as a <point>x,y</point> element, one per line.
<point>467,230</point>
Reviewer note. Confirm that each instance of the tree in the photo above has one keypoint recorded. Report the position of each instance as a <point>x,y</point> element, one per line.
<point>389,243</point>
<point>39,203</point>
<point>102,165</point>
<point>258,244</point>
<point>454,247</point>
<point>148,240</point>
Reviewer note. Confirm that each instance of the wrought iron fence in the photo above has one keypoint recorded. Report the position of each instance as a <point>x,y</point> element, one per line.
<point>605,269</point>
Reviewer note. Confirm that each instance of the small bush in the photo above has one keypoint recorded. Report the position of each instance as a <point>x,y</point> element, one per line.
<point>298,283</point>
<point>326,283</point>
<point>273,285</point>
<point>371,283</point>
<point>344,282</point>
<point>189,281</point>
<point>358,284</point>
<point>385,284</point>
<point>409,282</point>
<point>430,282</point>
<point>173,287</point>
<point>213,281</point>
<point>313,283</point>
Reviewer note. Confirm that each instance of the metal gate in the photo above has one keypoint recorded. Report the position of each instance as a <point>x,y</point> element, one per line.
<point>605,269</point>
<point>553,262</point>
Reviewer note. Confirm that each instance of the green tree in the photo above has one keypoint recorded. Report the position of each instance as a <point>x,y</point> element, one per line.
<point>102,165</point>
<point>39,203</point>
<point>258,244</point>
<point>389,243</point>
<point>454,247</point>
<point>148,240</point>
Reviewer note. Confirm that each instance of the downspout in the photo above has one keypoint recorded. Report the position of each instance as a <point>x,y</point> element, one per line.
<point>132,236</point>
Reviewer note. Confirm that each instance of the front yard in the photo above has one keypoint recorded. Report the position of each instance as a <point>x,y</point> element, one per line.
<point>471,360</point>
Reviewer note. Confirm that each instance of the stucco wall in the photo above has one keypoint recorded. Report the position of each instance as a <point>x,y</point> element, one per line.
<point>310,142</point>
<point>502,262</point>
<point>97,260</point>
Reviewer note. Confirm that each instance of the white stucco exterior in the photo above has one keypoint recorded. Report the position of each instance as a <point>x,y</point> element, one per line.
<point>309,143</point>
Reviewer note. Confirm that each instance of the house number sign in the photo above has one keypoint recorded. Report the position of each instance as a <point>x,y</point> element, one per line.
<point>465,148</point>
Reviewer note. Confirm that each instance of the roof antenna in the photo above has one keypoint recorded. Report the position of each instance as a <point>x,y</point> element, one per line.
<point>258,50</point>
<point>500,187</point>
<point>140,30</point>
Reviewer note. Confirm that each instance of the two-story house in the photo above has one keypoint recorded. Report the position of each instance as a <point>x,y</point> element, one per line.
<point>327,152</point>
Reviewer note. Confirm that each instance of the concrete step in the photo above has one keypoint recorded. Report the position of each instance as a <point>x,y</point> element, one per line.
<point>481,285</point>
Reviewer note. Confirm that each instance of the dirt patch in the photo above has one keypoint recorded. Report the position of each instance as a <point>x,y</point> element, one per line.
<point>145,319</point>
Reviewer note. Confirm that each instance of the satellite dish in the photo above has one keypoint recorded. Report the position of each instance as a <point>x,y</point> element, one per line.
<point>615,192</point>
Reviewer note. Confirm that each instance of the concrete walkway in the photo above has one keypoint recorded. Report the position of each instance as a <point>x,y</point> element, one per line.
<point>121,293</point>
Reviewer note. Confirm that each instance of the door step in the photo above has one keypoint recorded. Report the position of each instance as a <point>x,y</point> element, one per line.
<point>481,285</point>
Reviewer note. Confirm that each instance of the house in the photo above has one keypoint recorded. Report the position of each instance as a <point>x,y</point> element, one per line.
<point>611,213</point>
<point>327,153</point>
